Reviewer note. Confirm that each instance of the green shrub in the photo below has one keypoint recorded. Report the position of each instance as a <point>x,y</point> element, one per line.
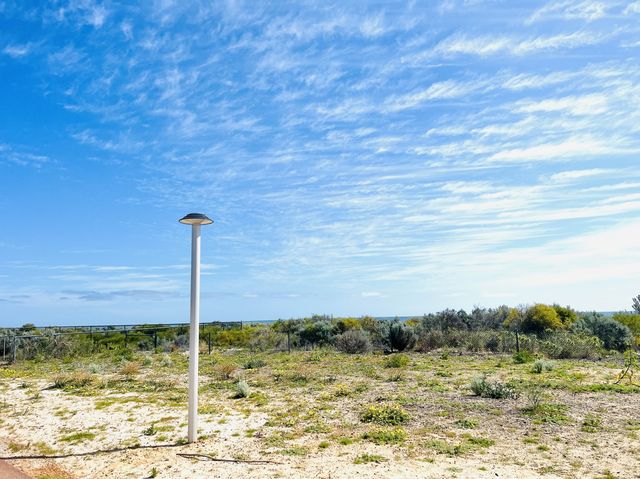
<point>566,345</point>
<point>541,365</point>
<point>631,321</point>
<point>614,335</point>
<point>255,363</point>
<point>316,333</point>
<point>368,458</point>
<point>566,315</point>
<point>493,342</point>
<point>523,357</point>
<point>591,423</point>
<point>385,415</point>
<point>396,361</point>
<point>492,389</point>
<point>467,423</point>
<point>548,413</point>
<point>401,336</point>
<point>430,340</point>
<point>353,341</point>
<point>540,318</point>
<point>242,390</point>
<point>386,435</point>
<point>75,380</point>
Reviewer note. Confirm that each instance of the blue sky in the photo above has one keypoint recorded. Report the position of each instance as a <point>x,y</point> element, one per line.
<point>384,158</point>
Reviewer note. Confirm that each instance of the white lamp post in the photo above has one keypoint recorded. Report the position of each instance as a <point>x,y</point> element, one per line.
<point>195,220</point>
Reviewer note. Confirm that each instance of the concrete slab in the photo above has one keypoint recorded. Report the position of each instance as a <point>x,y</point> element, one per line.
<point>7,471</point>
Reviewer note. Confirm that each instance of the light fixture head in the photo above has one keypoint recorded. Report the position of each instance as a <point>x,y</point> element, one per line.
<point>196,219</point>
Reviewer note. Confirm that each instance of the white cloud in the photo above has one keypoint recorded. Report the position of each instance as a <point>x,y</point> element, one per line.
<point>588,10</point>
<point>127,29</point>
<point>633,7</point>
<point>17,51</point>
<point>97,16</point>
<point>444,90</point>
<point>586,147</point>
<point>571,175</point>
<point>371,294</point>
<point>461,44</point>
<point>593,104</point>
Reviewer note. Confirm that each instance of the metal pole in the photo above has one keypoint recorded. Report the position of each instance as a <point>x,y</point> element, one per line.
<point>194,334</point>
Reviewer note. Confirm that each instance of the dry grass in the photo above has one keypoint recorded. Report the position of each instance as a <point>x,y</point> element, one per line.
<point>51,470</point>
<point>305,410</point>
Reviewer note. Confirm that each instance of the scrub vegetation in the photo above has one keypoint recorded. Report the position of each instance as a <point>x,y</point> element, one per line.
<point>444,395</point>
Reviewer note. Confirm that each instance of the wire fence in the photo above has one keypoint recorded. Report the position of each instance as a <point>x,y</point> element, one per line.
<point>21,343</point>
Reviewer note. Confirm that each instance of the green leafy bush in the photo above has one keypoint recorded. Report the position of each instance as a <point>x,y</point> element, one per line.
<point>540,318</point>
<point>430,340</point>
<point>75,380</point>
<point>369,458</point>
<point>493,389</point>
<point>571,345</point>
<point>541,365</point>
<point>566,315</point>
<point>523,357</point>
<point>386,435</point>
<point>255,363</point>
<point>614,335</point>
<point>401,336</point>
<point>631,321</point>
<point>353,341</point>
<point>385,415</point>
<point>396,361</point>
<point>242,390</point>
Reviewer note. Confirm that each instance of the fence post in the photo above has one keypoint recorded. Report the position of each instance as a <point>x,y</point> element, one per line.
<point>15,349</point>
<point>209,342</point>
<point>4,347</point>
<point>126,338</point>
<point>155,339</point>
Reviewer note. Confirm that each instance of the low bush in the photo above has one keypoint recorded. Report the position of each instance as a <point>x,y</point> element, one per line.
<point>566,345</point>
<point>255,363</point>
<point>369,458</point>
<point>541,365</point>
<point>591,423</point>
<point>225,371</point>
<point>485,388</point>
<point>73,380</point>
<point>242,390</point>
<point>548,413</point>
<point>430,340</point>
<point>401,336</point>
<point>613,334</point>
<point>353,341</point>
<point>523,357</point>
<point>130,369</point>
<point>396,361</point>
<point>386,435</point>
<point>385,415</point>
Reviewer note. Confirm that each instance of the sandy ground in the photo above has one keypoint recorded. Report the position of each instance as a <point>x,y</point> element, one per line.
<point>34,418</point>
<point>37,422</point>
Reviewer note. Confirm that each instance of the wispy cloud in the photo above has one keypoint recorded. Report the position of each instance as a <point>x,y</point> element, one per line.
<point>17,50</point>
<point>588,10</point>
